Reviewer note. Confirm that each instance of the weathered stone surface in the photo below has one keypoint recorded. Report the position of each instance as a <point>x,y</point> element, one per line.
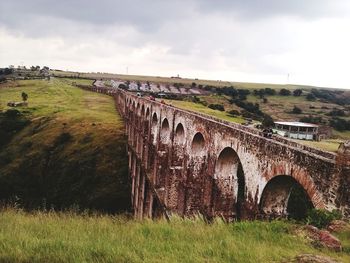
<point>309,258</point>
<point>329,241</point>
<point>222,169</point>
<point>337,226</point>
<point>323,238</point>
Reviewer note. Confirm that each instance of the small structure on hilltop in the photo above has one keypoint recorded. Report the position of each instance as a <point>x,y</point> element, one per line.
<point>296,130</point>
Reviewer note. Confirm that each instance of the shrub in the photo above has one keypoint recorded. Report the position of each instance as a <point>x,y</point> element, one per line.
<point>322,218</point>
<point>248,106</point>
<point>195,99</point>
<point>269,91</point>
<point>284,92</point>
<point>296,110</point>
<point>62,139</point>
<point>216,107</point>
<point>24,96</point>
<point>268,121</point>
<point>336,112</point>
<point>234,112</point>
<point>310,97</point>
<point>339,124</point>
<point>229,91</point>
<point>297,92</point>
<point>312,119</point>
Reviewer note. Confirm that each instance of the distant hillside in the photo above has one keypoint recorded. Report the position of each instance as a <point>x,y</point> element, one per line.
<point>66,148</point>
<point>172,80</point>
<point>236,101</point>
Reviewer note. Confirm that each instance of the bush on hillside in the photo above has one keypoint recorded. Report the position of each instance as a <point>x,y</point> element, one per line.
<point>264,92</point>
<point>322,218</point>
<point>249,107</point>
<point>296,110</point>
<point>297,92</point>
<point>234,113</point>
<point>334,96</point>
<point>336,112</point>
<point>284,92</point>
<point>310,97</point>
<point>340,124</point>
<point>268,121</point>
<point>312,119</point>
<point>216,107</point>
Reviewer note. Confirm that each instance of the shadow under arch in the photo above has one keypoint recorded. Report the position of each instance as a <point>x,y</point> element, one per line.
<point>198,144</point>
<point>138,108</point>
<point>229,185</point>
<point>179,137</point>
<point>154,127</point>
<point>284,196</point>
<point>143,110</point>
<point>165,131</point>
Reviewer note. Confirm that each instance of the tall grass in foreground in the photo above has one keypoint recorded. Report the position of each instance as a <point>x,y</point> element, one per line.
<point>68,237</point>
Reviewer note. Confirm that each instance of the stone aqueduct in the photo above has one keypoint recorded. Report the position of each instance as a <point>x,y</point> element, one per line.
<point>186,163</point>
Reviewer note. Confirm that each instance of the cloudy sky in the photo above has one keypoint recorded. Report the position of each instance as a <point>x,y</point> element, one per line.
<point>251,40</point>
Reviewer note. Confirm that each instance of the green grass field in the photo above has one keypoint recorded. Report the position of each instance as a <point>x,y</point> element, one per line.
<point>196,107</point>
<point>330,145</point>
<point>68,237</point>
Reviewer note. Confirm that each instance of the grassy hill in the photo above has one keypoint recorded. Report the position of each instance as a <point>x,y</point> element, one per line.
<point>69,237</point>
<point>320,109</point>
<point>170,80</point>
<point>66,148</point>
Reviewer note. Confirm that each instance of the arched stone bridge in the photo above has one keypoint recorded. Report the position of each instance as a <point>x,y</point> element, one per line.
<point>186,163</point>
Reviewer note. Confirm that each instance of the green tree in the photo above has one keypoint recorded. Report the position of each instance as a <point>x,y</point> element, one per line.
<point>310,97</point>
<point>24,96</point>
<point>267,121</point>
<point>284,92</point>
<point>297,92</point>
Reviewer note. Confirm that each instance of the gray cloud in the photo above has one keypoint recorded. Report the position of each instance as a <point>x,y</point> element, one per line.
<point>254,9</point>
<point>265,38</point>
<point>150,15</point>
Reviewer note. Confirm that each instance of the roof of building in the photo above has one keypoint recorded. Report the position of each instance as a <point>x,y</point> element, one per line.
<point>296,123</point>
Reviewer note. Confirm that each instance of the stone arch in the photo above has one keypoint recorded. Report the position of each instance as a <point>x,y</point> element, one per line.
<point>138,108</point>
<point>165,131</point>
<point>198,144</point>
<point>143,110</point>
<point>179,137</point>
<point>229,188</point>
<point>284,196</point>
<point>154,125</point>
<point>147,112</point>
